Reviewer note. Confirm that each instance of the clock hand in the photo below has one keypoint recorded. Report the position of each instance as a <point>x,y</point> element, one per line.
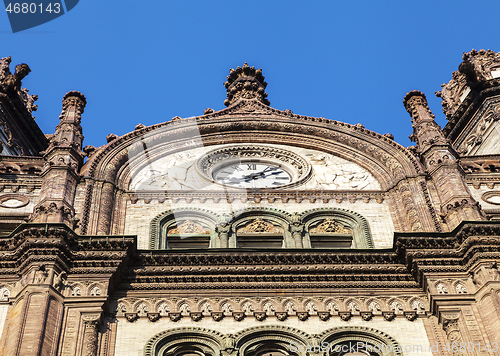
<point>259,174</point>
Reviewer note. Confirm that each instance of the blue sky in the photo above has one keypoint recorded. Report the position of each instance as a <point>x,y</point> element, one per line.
<point>148,61</point>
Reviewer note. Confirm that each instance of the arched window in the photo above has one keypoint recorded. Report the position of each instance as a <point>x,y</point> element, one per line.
<point>183,228</point>
<point>335,228</point>
<point>259,233</point>
<point>260,228</point>
<point>183,342</point>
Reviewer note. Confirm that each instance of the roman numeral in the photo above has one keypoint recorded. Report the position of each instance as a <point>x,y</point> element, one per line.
<point>252,166</point>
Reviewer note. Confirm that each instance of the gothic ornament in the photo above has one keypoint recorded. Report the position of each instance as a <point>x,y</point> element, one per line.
<point>245,83</point>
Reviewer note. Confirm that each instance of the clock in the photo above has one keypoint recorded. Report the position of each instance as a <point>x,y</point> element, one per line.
<point>254,167</point>
<point>252,174</point>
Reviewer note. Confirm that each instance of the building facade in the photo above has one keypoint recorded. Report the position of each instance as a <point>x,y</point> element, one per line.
<point>253,231</point>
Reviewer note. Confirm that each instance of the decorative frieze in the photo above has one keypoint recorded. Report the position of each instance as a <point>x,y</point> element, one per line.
<point>279,308</point>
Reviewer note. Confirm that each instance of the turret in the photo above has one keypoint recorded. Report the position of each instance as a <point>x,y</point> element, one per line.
<point>63,160</point>
<point>440,161</point>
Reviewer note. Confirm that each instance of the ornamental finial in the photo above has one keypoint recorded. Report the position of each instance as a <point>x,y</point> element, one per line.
<point>247,83</point>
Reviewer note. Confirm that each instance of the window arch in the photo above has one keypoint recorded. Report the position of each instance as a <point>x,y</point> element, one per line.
<point>359,341</point>
<point>188,341</point>
<point>335,228</point>
<point>183,228</point>
<point>260,228</point>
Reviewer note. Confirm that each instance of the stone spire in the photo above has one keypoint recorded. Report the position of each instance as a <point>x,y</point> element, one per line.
<point>440,161</point>
<point>63,160</point>
<point>247,83</point>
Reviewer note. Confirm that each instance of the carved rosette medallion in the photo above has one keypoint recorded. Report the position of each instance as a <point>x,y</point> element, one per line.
<point>295,165</point>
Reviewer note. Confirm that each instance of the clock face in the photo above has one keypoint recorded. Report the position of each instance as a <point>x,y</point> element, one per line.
<point>252,175</point>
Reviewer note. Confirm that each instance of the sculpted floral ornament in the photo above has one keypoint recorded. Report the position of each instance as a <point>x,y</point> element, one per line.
<point>374,307</point>
<point>418,306</point>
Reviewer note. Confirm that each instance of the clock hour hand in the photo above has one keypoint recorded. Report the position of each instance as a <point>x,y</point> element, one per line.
<point>259,174</point>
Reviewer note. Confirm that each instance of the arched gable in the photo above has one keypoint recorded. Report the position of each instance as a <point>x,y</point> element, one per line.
<point>109,170</point>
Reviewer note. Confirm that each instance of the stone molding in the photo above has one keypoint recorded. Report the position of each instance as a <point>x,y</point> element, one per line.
<point>276,307</point>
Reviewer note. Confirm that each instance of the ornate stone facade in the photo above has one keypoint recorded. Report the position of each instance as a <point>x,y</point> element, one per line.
<point>253,231</point>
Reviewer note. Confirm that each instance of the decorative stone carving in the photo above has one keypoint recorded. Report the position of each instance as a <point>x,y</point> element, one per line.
<point>335,173</point>
<point>153,317</point>
<point>4,294</point>
<point>281,316</point>
<point>324,316</point>
<point>332,307</point>
<point>175,316</point>
<point>396,307</point>
<point>452,330</point>
<point>228,343</point>
<point>217,316</point>
<point>238,316</point>
<point>411,316</point>
<point>441,288</point>
<point>460,288</point>
<point>40,275</point>
<point>389,316</point>
<point>311,308</point>
<point>196,316</point>
<point>366,316</point>
<point>121,309</point>
<point>269,308</point>
<point>353,307</point>
<point>163,309</point>
<point>184,309</point>
<point>131,317</point>
<point>227,308</point>
<point>189,227</point>
<point>374,307</point>
<point>142,309</point>
<point>290,307</point>
<point>330,226</point>
<point>245,83</point>
<point>259,226</point>
<point>303,316</point>
<point>95,291</point>
<point>260,315</point>
<point>91,328</point>
<point>418,306</point>
<point>206,308</point>
<point>248,308</point>
<point>345,316</point>
<point>59,280</point>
